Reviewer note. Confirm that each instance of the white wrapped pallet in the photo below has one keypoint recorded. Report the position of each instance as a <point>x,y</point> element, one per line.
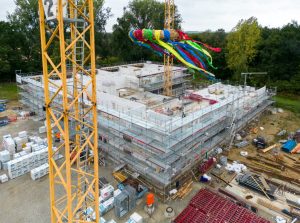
<point>107,192</point>
<point>117,192</point>
<point>9,144</point>
<point>42,129</point>
<point>45,141</point>
<point>4,165</point>
<point>6,136</point>
<point>35,174</point>
<point>27,149</point>
<point>31,139</point>
<point>3,178</point>
<point>20,142</point>
<point>37,140</point>
<point>16,155</point>
<point>135,218</point>
<point>23,134</point>
<point>11,165</point>
<point>29,144</point>
<point>40,141</point>
<point>12,169</point>
<point>36,147</point>
<point>26,163</point>
<point>40,171</point>
<point>4,156</point>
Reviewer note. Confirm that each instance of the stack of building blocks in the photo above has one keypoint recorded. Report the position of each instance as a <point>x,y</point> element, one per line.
<point>19,154</point>
<point>106,199</point>
<point>9,144</point>
<point>42,129</point>
<point>22,165</point>
<point>135,218</point>
<point>3,178</point>
<point>21,140</point>
<point>39,172</point>
<point>4,156</point>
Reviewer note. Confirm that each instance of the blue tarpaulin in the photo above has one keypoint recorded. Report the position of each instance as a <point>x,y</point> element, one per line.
<point>289,146</point>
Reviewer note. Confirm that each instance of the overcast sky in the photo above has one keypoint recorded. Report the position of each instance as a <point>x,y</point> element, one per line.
<point>200,15</point>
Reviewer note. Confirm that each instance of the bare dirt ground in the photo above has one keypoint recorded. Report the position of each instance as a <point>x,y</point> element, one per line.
<point>272,124</point>
<point>30,124</point>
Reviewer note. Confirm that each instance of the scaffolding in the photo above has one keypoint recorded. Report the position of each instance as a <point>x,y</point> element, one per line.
<point>162,138</point>
<point>30,92</point>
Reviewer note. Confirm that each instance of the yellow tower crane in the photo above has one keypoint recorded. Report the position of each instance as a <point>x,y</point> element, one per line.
<point>168,61</point>
<point>69,80</point>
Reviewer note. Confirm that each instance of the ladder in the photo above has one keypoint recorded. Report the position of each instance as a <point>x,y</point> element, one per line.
<point>232,128</point>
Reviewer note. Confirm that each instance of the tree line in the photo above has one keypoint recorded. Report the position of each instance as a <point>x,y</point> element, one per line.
<point>248,47</point>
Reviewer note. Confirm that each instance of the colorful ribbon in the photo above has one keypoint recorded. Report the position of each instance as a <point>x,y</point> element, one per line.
<point>176,44</point>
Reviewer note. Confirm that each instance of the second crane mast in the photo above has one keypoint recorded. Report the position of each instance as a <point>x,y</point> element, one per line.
<point>168,61</point>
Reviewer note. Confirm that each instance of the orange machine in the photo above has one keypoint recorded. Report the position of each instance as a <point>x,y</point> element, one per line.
<point>150,199</point>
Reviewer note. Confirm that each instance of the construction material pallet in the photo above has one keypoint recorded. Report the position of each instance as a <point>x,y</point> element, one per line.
<point>209,207</point>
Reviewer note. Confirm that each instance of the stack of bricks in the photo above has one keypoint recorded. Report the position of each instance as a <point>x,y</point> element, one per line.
<point>207,206</point>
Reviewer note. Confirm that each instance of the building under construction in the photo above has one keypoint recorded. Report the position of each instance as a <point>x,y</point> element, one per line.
<point>160,138</point>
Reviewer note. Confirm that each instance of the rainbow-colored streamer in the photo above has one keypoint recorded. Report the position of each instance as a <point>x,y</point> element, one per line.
<point>176,44</point>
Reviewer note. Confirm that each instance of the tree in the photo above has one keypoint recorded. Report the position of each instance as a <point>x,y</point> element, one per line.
<point>279,54</point>
<point>139,14</point>
<point>25,21</point>
<point>25,24</point>
<point>102,14</point>
<point>10,55</point>
<point>216,39</point>
<point>241,45</point>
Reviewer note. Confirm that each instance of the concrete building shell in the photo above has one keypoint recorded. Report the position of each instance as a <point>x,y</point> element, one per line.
<point>160,137</point>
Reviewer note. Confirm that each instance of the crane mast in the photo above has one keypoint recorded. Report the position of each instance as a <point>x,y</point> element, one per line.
<point>168,61</point>
<point>69,80</point>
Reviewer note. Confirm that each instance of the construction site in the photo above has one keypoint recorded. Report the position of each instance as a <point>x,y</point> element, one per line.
<point>159,137</point>
<point>139,142</point>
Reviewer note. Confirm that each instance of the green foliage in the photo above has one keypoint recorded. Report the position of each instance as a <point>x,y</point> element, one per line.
<point>20,38</point>
<point>10,51</point>
<point>108,61</point>
<point>139,14</point>
<point>216,39</point>
<point>291,103</point>
<point>25,21</point>
<point>279,52</point>
<point>241,45</point>
<point>102,39</point>
<point>8,91</point>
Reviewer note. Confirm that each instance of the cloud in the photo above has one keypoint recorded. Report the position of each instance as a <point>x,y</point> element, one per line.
<point>6,6</point>
<point>213,14</point>
<point>200,15</point>
<point>117,11</point>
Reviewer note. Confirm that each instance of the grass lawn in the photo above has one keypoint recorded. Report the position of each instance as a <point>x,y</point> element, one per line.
<point>288,102</point>
<point>8,91</point>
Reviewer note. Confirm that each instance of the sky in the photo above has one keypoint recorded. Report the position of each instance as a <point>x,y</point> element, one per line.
<point>201,15</point>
